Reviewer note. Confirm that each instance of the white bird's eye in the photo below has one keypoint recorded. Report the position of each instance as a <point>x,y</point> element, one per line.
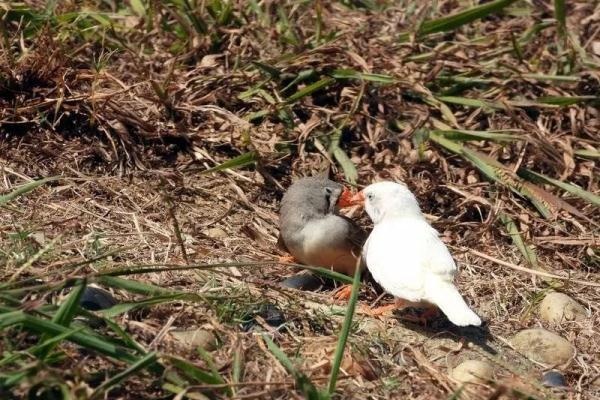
<point>370,196</point>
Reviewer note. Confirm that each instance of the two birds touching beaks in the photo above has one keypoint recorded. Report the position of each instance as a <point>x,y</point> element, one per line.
<point>403,253</point>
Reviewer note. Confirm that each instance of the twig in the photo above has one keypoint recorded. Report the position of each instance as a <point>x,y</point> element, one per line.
<point>531,271</point>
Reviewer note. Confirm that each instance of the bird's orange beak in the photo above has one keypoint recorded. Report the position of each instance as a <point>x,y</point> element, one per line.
<point>358,199</point>
<point>347,199</point>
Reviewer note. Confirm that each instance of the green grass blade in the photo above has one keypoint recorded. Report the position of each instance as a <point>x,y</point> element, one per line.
<point>125,337</point>
<point>140,364</point>
<point>575,190</point>
<point>237,162</point>
<point>272,72</point>
<point>133,286</point>
<point>303,383</point>
<point>150,268</point>
<point>41,347</point>
<point>257,115</point>
<point>138,7</point>
<point>555,78</point>
<point>21,190</point>
<point>68,309</point>
<point>27,264</point>
<point>560,14</point>
<point>199,24</point>
<point>465,135</point>
<point>327,273</point>
<point>566,100</point>
<point>310,89</point>
<point>184,393</point>
<point>237,370</point>
<point>65,314</point>
<point>83,339</point>
<point>213,366</point>
<point>461,18</point>
<point>342,158</point>
<point>588,153</point>
<point>9,299</point>
<point>301,77</point>
<point>352,74</point>
<point>463,101</point>
<point>527,251</point>
<point>343,338</point>
<point>10,380</point>
<point>126,307</point>
<point>195,373</point>
<point>496,172</point>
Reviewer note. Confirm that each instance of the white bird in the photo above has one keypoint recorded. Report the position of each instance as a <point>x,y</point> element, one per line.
<point>406,256</point>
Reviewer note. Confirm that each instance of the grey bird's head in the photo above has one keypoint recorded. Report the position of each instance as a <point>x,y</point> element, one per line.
<point>311,197</point>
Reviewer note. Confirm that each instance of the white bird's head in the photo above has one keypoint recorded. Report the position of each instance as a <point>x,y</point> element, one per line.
<point>387,199</point>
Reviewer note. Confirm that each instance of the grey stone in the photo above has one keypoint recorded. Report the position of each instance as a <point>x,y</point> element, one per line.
<point>95,298</point>
<point>303,281</point>
<point>544,346</point>
<point>554,379</point>
<point>473,371</point>
<point>194,338</point>
<point>558,307</point>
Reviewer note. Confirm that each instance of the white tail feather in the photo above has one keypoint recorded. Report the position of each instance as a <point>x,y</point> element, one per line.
<point>445,295</point>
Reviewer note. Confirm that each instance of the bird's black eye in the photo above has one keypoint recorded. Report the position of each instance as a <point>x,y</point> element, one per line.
<point>370,196</point>
<point>328,192</point>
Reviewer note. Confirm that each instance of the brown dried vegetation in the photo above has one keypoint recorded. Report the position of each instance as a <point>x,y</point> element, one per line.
<point>494,124</point>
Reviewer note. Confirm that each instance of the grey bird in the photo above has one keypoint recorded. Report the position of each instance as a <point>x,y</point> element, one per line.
<point>312,230</point>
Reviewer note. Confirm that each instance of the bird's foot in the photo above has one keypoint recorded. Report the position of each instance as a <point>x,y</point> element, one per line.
<point>430,313</point>
<point>378,311</point>
<point>343,293</point>
<point>287,259</point>
<point>415,319</point>
<point>423,318</point>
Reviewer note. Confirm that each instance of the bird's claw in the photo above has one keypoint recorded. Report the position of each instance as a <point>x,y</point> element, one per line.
<point>343,293</point>
<point>424,318</point>
<point>379,311</point>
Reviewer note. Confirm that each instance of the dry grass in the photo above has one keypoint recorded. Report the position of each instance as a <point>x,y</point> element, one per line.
<point>129,106</point>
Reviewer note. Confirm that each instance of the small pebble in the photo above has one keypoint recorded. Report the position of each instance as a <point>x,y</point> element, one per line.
<point>543,346</point>
<point>196,338</point>
<point>558,307</point>
<point>270,313</point>
<point>554,379</point>
<point>95,298</point>
<point>303,281</point>
<point>473,371</point>
<point>215,233</point>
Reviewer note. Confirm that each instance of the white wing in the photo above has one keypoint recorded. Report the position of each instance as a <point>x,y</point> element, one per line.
<point>408,259</point>
<point>403,253</point>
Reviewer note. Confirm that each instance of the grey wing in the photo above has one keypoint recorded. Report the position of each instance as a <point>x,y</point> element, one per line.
<point>356,234</point>
<point>357,238</point>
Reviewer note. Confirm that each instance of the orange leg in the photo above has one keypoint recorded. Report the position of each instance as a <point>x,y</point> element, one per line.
<point>343,293</point>
<point>429,313</point>
<point>287,259</point>
<point>399,304</point>
<point>382,310</point>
